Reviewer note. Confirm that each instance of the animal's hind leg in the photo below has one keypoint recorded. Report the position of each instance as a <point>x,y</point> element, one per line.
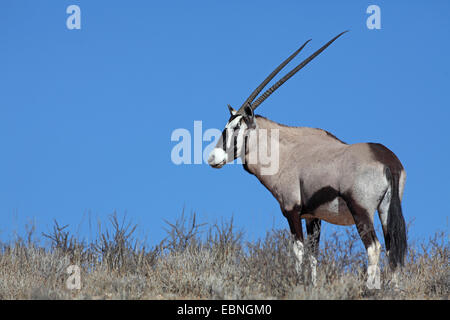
<point>364,224</point>
<point>313,231</point>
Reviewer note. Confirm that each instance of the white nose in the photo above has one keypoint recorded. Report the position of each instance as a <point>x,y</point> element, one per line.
<point>217,158</point>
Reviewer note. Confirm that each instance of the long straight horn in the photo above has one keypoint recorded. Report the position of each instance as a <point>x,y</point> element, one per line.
<point>270,77</point>
<point>269,91</point>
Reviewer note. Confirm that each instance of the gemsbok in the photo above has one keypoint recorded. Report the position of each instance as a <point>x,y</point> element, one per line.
<point>319,177</point>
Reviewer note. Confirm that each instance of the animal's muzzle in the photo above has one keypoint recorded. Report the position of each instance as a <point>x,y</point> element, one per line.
<point>217,158</point>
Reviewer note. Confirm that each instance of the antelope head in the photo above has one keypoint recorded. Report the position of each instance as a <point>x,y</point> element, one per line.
<point>231,144</point>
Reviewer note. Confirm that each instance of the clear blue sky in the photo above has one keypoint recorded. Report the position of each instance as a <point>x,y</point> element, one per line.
<point>86,115</point>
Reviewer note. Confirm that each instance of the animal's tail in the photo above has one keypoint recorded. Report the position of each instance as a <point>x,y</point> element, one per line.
<point>396,228</point>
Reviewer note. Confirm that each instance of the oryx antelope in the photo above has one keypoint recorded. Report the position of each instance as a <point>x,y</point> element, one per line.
<point>319,177</point>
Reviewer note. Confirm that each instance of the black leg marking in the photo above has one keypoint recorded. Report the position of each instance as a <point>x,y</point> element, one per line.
<point>366,231</point>
<point>295,224</point>
<point>364,223</point>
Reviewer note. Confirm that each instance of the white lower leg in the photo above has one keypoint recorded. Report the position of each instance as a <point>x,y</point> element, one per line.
<point>298,251</point>
<point>373,270</point>
<point>395,281</point>
<point>313,264</point>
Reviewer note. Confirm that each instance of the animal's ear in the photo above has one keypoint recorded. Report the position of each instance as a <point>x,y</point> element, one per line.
<point>232,111</point>
<point>249,116</point>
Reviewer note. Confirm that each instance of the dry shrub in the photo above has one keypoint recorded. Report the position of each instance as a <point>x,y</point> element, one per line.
<point>195,261</point>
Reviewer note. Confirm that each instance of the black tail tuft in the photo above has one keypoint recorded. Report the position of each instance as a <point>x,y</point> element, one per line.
<point>396,228</point>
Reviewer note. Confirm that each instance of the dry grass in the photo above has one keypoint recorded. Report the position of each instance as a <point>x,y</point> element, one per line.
<point>195,261</point>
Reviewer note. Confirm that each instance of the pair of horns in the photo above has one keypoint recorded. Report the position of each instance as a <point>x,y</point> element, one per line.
<point>269,91</point>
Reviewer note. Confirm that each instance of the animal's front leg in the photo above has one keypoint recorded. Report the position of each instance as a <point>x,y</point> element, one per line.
<point>313,231</point>
<point>298,251</point>
<point>295,225</point>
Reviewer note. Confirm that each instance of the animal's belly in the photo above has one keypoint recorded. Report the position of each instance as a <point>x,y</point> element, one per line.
<point>335,212</point>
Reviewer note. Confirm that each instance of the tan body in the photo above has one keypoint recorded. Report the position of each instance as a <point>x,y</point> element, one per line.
<point>311,160</point>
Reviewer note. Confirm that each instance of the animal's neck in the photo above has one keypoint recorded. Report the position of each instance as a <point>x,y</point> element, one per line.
<point>270,137</point>
<point>263,148</point>
<point>265,123</point>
